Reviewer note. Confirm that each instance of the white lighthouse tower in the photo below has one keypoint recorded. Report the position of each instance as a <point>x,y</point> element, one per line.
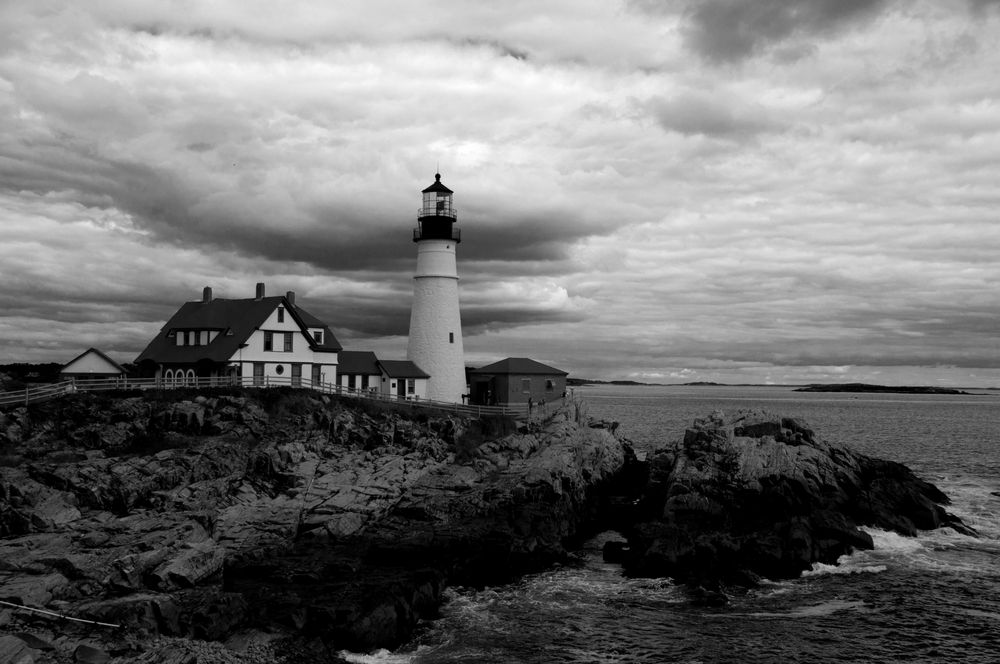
<point>435,323</point>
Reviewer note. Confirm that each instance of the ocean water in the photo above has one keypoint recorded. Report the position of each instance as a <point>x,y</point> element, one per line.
<point>932,598</point>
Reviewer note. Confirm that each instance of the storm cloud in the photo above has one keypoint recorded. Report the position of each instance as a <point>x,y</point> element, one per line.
<point>734,191</point>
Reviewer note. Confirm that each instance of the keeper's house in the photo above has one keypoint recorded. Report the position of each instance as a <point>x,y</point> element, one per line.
<point>270,340</point>
<point>515,380</point>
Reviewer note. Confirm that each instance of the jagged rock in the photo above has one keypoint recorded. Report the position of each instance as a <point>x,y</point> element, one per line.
<point>128,573</point>
<point>32,506</point>
<point>191,565</point>
<point>758,494</point>
<point>15,651</point>
<point>30,590</point>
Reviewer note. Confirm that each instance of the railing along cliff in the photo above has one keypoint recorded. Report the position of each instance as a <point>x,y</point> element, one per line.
<point>39,393</point>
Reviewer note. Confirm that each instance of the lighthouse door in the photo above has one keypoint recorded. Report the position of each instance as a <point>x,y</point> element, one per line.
<point>401,387</point>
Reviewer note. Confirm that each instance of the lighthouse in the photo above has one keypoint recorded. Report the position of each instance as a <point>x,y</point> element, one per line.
<point>435,343</point>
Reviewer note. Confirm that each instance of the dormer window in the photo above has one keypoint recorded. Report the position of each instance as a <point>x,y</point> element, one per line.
<point>318,337</point>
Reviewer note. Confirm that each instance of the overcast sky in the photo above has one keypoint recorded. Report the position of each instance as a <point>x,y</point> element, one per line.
<point>664,191</point>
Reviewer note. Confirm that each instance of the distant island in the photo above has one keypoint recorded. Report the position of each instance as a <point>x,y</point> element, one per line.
<point>576,382</point>
<point>881,389</point>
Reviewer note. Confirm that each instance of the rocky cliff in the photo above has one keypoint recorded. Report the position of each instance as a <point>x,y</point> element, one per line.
<point>277,520</point>
<point>290,525</point>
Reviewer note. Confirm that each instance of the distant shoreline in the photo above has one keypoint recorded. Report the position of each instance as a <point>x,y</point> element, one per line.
<point>831,387</point>
<point>879,389</point>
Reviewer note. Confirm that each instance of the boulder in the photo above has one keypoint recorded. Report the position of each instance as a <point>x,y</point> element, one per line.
<point>85,654</point>
<point>759,495</point>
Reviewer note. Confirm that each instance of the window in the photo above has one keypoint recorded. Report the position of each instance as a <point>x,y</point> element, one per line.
<point>269,341</point>
<point>281,314</point>
<point>550,385</point>
<point>280,369</point>
<point>364,382</point>
<point>352,381</point>
<point>526,385</point>
<point>451,337</point>
<point>288,342</point>
<point>318,336</point>
<point>258,373</point>
<point>411,385</point>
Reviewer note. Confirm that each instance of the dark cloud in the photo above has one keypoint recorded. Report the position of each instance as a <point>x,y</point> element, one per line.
<point>980,5</point>
<point>495,317</point>
<point>338,237</point>
<point>731,30</point>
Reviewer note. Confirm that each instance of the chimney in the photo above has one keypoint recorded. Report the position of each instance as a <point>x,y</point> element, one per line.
<point>260,290</point>
<point>290,296</point>
<point>206,295</point>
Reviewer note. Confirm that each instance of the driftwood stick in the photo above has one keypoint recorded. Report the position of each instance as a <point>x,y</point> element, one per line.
<point>57,615</point>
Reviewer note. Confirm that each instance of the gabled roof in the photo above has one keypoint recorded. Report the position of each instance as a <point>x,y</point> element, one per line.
<point>112,365</point>
<point>519,365</point>
<point>402,369</point>
<point>235,320</point>
<point>330,342</point>
<point>357,362</point>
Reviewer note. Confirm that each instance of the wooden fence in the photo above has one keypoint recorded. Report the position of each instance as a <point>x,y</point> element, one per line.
<point>46,392</point>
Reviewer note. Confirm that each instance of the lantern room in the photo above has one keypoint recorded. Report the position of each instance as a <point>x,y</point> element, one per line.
<point>436,216</point>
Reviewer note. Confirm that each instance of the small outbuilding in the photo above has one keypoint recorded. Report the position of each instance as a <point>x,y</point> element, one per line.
<point>91,364</point>
<point>403,379</point>
<point>514,381</point>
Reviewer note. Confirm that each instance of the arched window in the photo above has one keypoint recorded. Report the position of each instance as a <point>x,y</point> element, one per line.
<point>190,377</point>
<point>168,378</point>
